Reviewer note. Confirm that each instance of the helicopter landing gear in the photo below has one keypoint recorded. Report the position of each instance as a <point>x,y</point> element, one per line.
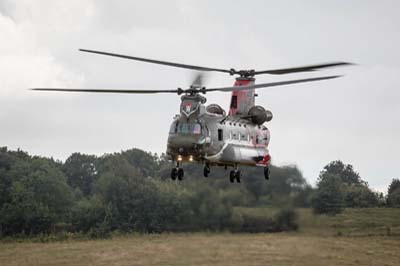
<point>235,175</point>
<point>266,172</point>
<point>177,172</point>
<point>174,173</point>
<point>180,174</point>
<point>206,170</point>
<point>232,176</point>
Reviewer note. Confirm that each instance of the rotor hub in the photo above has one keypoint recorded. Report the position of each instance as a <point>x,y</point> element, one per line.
<point>243,73</point>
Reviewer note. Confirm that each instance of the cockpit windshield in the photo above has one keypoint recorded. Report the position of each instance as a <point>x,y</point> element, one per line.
<point>186,128</point>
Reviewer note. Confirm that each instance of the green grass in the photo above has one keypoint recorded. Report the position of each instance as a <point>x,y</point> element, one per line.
<point>356,237</point>
<point>352,222</point>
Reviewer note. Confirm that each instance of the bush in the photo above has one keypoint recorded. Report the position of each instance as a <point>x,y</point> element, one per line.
<point>257,224</point>
<point>286,220</point>
<point>209,211</point>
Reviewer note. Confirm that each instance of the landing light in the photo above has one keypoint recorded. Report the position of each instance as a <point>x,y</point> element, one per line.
<point>191,158</point>
<point>179,158</point>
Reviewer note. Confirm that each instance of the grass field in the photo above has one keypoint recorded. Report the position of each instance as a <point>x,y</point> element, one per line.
<point>356,237</point>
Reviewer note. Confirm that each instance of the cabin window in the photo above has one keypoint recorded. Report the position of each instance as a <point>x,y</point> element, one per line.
<point>220,135</point>
<point>234,102</point>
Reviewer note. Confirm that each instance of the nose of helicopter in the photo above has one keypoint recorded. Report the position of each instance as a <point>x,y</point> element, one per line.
<point>185,141</point>
<point>186,144</point>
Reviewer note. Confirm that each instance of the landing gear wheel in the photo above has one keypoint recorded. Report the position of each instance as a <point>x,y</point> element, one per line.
<point>206,170</point>
<point>232,176</point>
<point>174,173</point>
<point>237,176</point>
<point>180,174</point>
<point>266,173</point>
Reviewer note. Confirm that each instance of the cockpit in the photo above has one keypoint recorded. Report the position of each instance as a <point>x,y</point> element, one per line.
<point>185,128</point>
<point>188,140</point>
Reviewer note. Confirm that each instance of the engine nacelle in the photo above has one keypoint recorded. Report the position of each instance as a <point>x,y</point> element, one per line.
<point>259,115</point>
<point>215,109</point>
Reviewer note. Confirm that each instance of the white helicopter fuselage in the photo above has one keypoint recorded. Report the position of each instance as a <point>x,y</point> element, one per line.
<point>207,135</point>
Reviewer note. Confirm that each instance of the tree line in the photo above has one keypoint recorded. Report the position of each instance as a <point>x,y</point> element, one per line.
<point>130,191</point>
<point>339,186</point>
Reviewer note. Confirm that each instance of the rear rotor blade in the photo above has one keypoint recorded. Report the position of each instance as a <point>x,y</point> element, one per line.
<point>232,71</point>
<point>271,84</point>
<point>301,68</point>
<point>108,90</point>
<point>192,67</point>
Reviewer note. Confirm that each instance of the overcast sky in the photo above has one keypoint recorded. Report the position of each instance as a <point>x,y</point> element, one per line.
<point>355,118</point>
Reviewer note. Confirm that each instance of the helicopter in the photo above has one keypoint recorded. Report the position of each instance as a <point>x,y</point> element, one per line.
<point>207,134</point>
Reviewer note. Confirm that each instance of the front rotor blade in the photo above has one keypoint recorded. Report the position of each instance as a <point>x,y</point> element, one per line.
<point>192,67</point>
<point>271,84</point>
<point>301,68</point>
<point>107,90</point>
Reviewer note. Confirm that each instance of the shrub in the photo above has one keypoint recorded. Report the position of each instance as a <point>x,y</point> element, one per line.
<point>286,220</point>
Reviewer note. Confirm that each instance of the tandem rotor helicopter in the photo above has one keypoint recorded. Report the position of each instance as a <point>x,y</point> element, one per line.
<point>206,134</point>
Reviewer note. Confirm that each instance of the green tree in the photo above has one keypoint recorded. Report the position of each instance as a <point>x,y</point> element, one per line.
<point>357,194</point>
<point>393,198</point>
<point>145,162</point>
<point>81,172</point>
<point>344,171</point>
<point>284,184</point>
<point>329,196</point>
<point>303,196</point>
<point>135,202</point>
<point>360,196</point>
<point>6,162</point>
<point>256,186</point>
<point>89,214</point>
<point>39,197</point>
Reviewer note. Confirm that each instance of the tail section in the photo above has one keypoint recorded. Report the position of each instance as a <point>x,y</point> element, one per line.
<point>242,101</point>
